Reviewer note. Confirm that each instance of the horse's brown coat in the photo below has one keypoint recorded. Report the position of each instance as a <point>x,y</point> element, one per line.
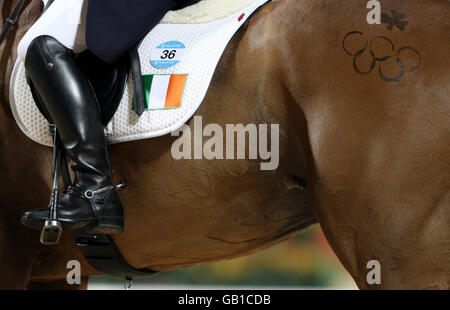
<point>375,154</point>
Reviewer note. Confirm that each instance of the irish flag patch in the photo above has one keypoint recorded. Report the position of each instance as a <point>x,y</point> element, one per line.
<point>164,91</point>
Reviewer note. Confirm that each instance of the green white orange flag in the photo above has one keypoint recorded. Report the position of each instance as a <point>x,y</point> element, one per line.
<point>164,91</point>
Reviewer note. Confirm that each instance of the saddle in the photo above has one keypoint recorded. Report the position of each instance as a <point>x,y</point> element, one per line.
<point>108,80</point>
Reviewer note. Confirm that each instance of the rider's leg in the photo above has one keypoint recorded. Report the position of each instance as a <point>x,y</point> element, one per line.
<point>64,20</point>
<point>71,102</point>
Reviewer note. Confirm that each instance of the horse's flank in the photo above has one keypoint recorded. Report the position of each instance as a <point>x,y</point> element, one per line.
<point>373,148</point>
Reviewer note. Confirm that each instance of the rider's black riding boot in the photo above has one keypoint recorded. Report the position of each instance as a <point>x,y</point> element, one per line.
<point>71,102</point>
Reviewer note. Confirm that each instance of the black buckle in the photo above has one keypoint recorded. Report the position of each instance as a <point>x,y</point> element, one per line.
<point>10,21</point>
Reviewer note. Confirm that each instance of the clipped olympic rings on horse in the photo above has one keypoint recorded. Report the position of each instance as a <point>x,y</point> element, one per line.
<point>355,65</point>
<point>386,57</point>
<point>345,40</point>
<point>419,57</point>
<point>402,65</point>
<point>377,58</point>
<point>396,78</point>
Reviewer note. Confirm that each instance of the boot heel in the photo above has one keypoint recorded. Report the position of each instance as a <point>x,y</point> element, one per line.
<point>108,225</point>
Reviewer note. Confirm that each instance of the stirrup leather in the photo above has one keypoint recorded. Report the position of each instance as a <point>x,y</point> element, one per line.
<point>52,230</point>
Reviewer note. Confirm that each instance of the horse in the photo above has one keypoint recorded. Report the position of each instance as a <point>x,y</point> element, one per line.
<point>364,146</point>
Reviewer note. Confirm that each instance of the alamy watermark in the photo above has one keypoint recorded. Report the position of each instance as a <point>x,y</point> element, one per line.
<point>229,143</point>
<point>374,15</point>
<point>73,277</point>
<point>374,275</point>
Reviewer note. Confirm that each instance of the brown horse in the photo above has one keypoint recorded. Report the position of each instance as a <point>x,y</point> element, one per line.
<point>364,120</point>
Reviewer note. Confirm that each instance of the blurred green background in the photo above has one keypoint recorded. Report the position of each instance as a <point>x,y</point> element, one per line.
<point>306,261</point>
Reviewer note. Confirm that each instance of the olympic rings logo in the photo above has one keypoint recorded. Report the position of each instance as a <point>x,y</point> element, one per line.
<point>377,58</point>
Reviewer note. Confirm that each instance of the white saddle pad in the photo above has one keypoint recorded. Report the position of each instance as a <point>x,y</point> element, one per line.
<point>178,60</point>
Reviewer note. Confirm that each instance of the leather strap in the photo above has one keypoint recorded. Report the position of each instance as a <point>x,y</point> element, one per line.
<point>102,253</point>
<point>11,20</point>
<point>139,95</point>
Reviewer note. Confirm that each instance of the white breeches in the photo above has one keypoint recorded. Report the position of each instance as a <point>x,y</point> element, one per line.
<point>65,20</point>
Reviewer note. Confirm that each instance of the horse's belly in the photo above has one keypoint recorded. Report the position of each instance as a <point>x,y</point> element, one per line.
<point>181,213</point>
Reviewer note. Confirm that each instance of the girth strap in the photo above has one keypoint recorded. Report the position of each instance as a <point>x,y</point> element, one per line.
<point>139,95</point>
<point>102,253</point>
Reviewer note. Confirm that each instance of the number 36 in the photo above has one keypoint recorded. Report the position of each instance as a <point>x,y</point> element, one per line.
<point>169,54</point>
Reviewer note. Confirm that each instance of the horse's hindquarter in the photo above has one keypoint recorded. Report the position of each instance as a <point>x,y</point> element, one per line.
<point>379,163</point>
